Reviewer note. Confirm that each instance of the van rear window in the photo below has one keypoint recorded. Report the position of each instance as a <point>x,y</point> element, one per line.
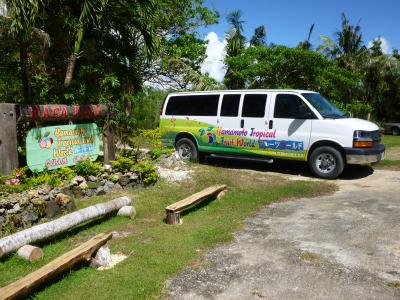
<point>192,105</point>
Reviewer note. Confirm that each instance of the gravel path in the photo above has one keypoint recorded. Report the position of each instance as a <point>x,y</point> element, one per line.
<point>343,246</point>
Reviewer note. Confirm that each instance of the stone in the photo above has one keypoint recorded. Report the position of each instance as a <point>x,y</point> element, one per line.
<point>67,191</point>
<point>52,209</point>
<point>32,194</point>
<point>30,216</point>
<point>90,192</point>
<point>134,177</point>
<point>102,257</point>
<point>62,199</point>
<point>107,168</point>
<point>25,201</point>
<point>92,178</point>
<point>70,206</point>
<point>46,197</point>
<point>77,180</point>
<point>100,191</point>
<point>77,192</point>
<point>124,180</point>
<point>83,185</point>
<point>44,189</point>
<point>2,211</point>
<point>16,208</point>
<point>109,185</point>
<point>117,186</point>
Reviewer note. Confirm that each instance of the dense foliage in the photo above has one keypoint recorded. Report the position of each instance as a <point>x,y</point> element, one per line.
<point>363,82</point>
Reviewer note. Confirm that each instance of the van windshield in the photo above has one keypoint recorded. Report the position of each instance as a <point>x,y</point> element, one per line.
<point>324,107</point>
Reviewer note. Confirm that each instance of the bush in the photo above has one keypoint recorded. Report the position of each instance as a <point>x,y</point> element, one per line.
<point>65,173</point>
<point>87,167</point>
<point>123,164</point>
<point>147,171</point>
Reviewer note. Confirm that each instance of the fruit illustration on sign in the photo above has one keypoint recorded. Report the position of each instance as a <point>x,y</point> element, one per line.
<point>45,141</point>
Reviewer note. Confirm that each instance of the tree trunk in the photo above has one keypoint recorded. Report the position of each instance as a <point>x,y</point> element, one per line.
<point>72,59</point>
<point>42,231</point>
<point>23,56</point>
<point>30,253</point>
<point>70,69</point>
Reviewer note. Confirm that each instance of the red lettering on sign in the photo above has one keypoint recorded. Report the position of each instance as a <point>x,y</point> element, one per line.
<point>56,110</point>
<point>64,112</point>
<point>46,112</point>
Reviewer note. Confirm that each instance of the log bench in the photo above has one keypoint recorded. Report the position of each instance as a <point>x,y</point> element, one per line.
<point>174,210</point>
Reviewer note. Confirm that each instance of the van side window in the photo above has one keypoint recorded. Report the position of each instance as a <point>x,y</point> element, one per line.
<point>254,105</point>
<point>288,106</point>
<point>192,105</point>
<point>230,105</point>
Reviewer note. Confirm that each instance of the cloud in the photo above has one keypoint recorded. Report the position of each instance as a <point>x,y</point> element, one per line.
<point>385,45</point>
<point>214,62</point>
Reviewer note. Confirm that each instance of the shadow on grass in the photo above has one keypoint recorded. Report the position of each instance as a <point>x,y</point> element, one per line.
<point>288,167</point>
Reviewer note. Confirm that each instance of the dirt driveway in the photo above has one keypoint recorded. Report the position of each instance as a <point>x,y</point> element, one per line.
<point>343,246</point>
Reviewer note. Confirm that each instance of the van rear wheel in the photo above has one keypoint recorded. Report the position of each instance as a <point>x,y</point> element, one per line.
<point>326,162</point>
<point>187,150</point>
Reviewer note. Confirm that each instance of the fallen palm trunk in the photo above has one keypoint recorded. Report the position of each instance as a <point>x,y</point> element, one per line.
<point>43,231</point>
<point>24,286</point>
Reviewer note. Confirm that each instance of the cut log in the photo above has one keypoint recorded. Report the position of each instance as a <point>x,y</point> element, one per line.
<point>46,230</point>
<point>30,253</point>
<point>174,210</point>
<point>26,285</point>
<point>128,211</point>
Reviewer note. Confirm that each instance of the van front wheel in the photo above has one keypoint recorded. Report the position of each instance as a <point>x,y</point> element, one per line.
<point>187,149</point>
<point>326,162</point>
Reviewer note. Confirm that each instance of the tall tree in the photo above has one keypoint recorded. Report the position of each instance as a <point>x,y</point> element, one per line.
<point>306,44</point>
<point>235,45</point>
<point>23,14</point>
<point>259,36</point>
<point>349,47</point>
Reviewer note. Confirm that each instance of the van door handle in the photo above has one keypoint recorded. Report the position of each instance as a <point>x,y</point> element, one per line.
<point>241,123</point>
<point>271,124</point>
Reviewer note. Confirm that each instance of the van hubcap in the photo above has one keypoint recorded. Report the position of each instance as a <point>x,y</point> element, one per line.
<point>325,163</point>
<point>185,151</point>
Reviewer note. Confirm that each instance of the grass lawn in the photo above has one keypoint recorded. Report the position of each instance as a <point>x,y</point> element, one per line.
<point>157,251</point>
<point>392,155</point>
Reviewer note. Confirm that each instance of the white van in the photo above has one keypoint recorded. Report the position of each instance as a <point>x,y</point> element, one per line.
<point>267,124</point>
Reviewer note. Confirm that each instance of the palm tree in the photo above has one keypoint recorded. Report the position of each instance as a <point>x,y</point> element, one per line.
<point>235,45</point>
<point>235,38</point>
<point>349,46</point>
<point>306,44</point>
<point>258,39</point>
<point>22,16</point>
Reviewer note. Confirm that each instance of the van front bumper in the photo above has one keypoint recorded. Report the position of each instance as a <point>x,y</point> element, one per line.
<point>359,156</point>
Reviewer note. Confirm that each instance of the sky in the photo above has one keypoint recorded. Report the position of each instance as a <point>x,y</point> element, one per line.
<point>288,23</point>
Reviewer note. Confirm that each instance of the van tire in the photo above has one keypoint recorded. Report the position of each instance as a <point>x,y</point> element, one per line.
<point>326,162</point>
<point>187,150</point>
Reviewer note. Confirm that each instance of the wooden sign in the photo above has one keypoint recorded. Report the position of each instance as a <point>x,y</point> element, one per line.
<point>55,146</point>
<point>62,112</point>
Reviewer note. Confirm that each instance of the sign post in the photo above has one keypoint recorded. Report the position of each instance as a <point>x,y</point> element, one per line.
<point>8,138</point>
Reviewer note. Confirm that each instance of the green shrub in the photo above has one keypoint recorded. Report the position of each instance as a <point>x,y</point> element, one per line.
<point>153,136</point>
<point>43,178</point>
<point>147,171</point>
<point>157,152</point>
<point>123,164</point>
<point>87,167</point>
<point>65,173</point>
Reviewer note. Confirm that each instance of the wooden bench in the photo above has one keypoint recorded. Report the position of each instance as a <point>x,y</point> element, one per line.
<point>174,210</point>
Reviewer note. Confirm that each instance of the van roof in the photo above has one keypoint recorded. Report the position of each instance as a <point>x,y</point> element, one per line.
<point>241,91</point>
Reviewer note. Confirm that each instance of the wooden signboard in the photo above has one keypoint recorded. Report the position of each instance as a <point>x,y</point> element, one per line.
<point>55,146</point>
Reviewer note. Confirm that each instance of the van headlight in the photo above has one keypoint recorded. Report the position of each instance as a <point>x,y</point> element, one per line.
<point>362,139</point>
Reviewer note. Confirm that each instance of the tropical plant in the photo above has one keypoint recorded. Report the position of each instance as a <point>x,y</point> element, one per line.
<point>259,36</point>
